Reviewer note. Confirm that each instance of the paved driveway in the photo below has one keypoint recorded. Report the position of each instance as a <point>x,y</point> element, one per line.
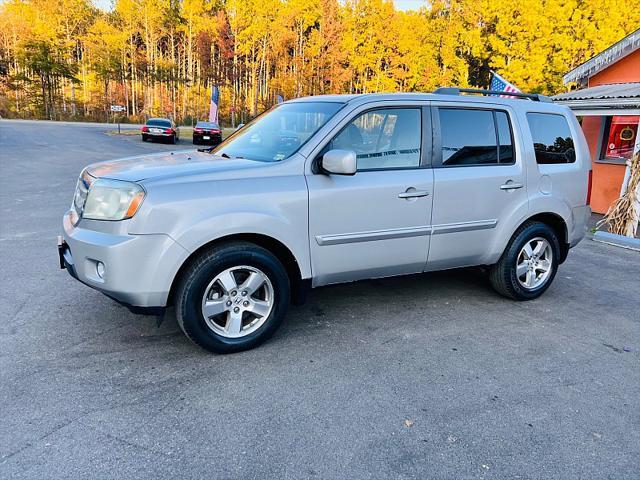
<point>428,376</point>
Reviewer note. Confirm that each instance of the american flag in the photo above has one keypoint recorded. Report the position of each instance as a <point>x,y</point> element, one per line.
<point>499,84</point>
<point>213,108</point>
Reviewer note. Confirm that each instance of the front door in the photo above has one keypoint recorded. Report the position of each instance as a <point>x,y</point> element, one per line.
<point>480,184</point>
<point>377,222</point>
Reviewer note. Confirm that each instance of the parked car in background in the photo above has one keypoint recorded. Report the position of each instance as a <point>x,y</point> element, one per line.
<point>331,189</point>
<point>160,129</point>
<point>207,133</point>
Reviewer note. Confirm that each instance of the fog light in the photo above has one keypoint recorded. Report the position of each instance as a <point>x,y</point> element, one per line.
<point>100,269</point>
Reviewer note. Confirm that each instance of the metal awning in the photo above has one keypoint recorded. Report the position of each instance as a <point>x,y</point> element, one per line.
<point>611,99</point>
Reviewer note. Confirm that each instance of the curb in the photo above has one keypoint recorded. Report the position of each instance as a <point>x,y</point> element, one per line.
<point>617,240</point>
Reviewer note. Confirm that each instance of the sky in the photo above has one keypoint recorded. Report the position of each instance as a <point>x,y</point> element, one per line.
<point>400,4</point>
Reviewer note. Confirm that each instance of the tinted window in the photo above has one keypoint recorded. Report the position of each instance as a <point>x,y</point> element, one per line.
<point>386,138</point>
<point>210,125</point>
<point>504,138</point>
<point>468,137</point>
<point>157,122</point>
<point>552,140</point>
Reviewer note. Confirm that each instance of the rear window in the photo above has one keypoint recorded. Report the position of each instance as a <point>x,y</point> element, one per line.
<point>156,122</point>
<point>213,126</point>
<point>552,140</point>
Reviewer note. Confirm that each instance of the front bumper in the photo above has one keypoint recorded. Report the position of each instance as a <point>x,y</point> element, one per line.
<point>138,269</point>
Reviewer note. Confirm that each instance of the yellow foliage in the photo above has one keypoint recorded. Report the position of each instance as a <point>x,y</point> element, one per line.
<point>161,57</point>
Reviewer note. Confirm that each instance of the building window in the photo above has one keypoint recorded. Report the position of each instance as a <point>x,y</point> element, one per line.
<point>620,133</point>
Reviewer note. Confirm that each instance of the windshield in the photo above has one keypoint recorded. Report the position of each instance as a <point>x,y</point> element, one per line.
<point>278,133</point>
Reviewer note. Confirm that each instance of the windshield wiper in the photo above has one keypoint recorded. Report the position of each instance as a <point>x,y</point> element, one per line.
<point>226,155</point>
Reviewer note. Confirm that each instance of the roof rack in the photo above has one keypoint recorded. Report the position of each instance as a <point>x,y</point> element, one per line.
<point>457,91</point>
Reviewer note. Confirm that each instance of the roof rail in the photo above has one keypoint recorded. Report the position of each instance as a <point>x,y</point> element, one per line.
<point>536,97</point>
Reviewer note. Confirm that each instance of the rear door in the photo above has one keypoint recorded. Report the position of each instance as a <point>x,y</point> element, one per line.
<point>479,182</point>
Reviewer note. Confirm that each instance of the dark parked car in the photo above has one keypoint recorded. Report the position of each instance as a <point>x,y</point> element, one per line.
<point>207,133</point>
<point>160,129</point>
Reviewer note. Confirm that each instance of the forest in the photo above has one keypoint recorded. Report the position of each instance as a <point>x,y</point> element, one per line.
<point>67,59</point>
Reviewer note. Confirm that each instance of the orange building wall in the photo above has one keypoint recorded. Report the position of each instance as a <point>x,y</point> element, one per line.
<point>591,128</point>
<point>623,71</point>
<point>607,181</point>
<point>607,178</point>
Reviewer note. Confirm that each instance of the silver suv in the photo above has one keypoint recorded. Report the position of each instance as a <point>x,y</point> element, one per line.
<point>333,189</point>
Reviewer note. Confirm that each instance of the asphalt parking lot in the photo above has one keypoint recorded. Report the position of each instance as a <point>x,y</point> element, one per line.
<point>428,376</point>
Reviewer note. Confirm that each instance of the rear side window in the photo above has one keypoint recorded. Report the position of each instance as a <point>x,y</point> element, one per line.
<point>475,137</point>
<point>552,140</point>
<point>505,139</point>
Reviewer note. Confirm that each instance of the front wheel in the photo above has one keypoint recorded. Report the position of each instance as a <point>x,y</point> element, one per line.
<point>529,263</point>
<point>232,298</point>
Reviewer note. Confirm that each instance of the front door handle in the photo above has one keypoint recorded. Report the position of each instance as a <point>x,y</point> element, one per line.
<point>510,185</point>
<point>413,194</point>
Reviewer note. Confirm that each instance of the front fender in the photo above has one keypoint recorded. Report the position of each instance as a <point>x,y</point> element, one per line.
<point>200,211</point>
<point>268,224</point>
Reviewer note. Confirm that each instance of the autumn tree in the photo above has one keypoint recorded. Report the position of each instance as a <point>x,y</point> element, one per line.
<point>67,59</point>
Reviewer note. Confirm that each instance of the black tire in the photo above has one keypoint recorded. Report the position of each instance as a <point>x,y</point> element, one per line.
<point>503,274</point>
<point>173,139</point>
<point>144,138</point>
<point>196,278</point>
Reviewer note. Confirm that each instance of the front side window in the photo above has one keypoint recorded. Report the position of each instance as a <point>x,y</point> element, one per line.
<point>552,140</point>
<point>475,137</point>
<point>278,133</point>
<point>385,138</point>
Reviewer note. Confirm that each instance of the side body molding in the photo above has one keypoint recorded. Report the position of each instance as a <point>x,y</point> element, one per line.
<point>388,234</point>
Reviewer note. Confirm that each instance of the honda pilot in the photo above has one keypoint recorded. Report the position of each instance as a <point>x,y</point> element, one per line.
<point>331,189</point>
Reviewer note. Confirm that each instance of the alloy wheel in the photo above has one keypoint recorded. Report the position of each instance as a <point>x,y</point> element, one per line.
<point>238,301</point>
<point>535,263</point>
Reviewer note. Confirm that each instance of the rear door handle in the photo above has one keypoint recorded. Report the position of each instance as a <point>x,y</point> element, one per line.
<point>413,194</point>
<point>511,186</point>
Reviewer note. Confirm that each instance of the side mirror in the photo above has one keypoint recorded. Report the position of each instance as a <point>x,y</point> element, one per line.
<point>339,162</point>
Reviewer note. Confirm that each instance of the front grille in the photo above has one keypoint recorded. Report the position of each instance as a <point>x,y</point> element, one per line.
<point>82,189</point>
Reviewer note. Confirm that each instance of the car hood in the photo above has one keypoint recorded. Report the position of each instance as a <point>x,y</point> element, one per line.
<point>165,164</point>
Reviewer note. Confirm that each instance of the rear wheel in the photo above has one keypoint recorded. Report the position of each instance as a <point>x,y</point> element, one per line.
<point>232,298</point>
<point>529,263</point>
<point>174,139</point>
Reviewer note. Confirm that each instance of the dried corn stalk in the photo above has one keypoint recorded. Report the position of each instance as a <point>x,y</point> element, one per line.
<point>622,217</point>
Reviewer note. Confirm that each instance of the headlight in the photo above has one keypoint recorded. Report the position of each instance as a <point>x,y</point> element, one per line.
<point>112,200</point>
